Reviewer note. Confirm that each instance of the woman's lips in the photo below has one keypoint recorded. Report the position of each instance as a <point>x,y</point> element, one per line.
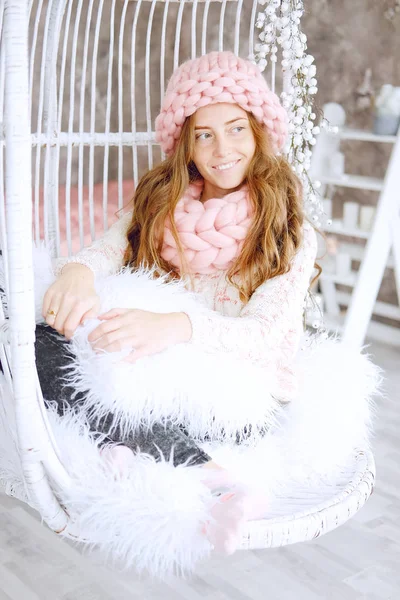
<point>226,166</point>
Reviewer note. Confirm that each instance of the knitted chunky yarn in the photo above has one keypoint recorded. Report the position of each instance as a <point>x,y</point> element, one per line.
<point>211,233</point>
<point>218,77</point>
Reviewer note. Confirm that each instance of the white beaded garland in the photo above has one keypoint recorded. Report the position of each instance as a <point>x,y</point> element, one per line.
<point>280,22</point>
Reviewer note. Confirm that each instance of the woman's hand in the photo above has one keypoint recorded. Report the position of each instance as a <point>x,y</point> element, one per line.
<point>146,332</point>
<point>71,299</point>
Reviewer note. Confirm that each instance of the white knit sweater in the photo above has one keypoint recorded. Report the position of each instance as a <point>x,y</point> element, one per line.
<point>267,330</point>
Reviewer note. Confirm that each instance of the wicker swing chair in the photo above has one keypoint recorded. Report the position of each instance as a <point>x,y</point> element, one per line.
<point>92,108</point>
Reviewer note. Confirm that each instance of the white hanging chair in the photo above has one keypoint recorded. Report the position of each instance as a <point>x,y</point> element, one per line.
<point>71,108</point>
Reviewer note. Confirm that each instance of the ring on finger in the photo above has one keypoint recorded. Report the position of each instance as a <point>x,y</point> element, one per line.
<point>51,313</point>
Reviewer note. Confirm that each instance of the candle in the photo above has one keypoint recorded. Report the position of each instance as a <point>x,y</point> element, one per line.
<point>337,223</point>
<point>367,216</point>
<point>350,214</point>
<point>343,264</point>
<point>332,245</point>
<point>336,164</point>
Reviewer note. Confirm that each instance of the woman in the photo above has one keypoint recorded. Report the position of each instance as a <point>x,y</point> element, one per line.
<point>224,213</point>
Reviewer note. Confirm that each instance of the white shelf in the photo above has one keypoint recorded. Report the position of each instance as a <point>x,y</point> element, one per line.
<point>349,279</point>
<point>369,247</point>
<point>376,331</point>
<point>365,136</point>
<point>383,309</point>
<point>359,182</point>
<point>357,252</point>
<point>340,229</point>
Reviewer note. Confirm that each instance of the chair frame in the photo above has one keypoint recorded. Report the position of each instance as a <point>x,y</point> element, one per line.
<point>38,451</point>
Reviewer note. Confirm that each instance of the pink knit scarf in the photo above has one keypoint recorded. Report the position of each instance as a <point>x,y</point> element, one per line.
<point>211,233</point>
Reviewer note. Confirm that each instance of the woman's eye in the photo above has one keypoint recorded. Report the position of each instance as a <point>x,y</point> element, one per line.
<point>207,135</point>
<point>201,136</point>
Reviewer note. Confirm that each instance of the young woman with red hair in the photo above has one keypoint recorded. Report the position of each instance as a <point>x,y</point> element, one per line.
<point>224,213</point>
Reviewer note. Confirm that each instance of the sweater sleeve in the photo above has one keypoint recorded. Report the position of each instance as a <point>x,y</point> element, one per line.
<point>270,325</point>
<point>105,255</point>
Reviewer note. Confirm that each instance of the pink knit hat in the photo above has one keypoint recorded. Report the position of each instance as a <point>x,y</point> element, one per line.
<point>218,77</point>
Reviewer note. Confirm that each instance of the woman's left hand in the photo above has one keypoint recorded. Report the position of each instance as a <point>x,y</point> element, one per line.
<point>146,332</point>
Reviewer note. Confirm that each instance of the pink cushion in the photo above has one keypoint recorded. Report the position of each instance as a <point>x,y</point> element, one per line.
<point>112,208</point>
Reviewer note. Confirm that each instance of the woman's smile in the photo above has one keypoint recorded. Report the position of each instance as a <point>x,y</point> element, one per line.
<point>226,166</point>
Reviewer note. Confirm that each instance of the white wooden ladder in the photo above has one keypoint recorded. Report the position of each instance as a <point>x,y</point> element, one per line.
<point>383,237</point>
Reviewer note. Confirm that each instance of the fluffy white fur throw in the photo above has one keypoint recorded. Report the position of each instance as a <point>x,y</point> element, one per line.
<point>214,394</point>
<point>149,517</point>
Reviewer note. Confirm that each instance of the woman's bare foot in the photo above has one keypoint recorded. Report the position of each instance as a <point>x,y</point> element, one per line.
<point>227,513</point>
<point>235,504</point>
<point>224,530</point>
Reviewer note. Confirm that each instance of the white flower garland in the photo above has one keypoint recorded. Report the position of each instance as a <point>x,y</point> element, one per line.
<point>280,24</point>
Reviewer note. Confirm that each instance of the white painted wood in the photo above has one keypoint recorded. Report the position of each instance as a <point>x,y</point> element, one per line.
<point>378,332</point>
<point>375,257</point>
<point>359,182</point>
<point>357,252</point>
<point>349,279</point>
<point>365,136</point>
<point>372,268</point>
<point>330,303</point>
<point>395,236</point>
<point>383,309</point>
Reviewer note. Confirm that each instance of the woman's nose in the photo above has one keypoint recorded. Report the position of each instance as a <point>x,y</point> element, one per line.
<point>221,147</point>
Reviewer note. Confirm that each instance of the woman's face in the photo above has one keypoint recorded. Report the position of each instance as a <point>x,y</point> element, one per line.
<point>224,146</point>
